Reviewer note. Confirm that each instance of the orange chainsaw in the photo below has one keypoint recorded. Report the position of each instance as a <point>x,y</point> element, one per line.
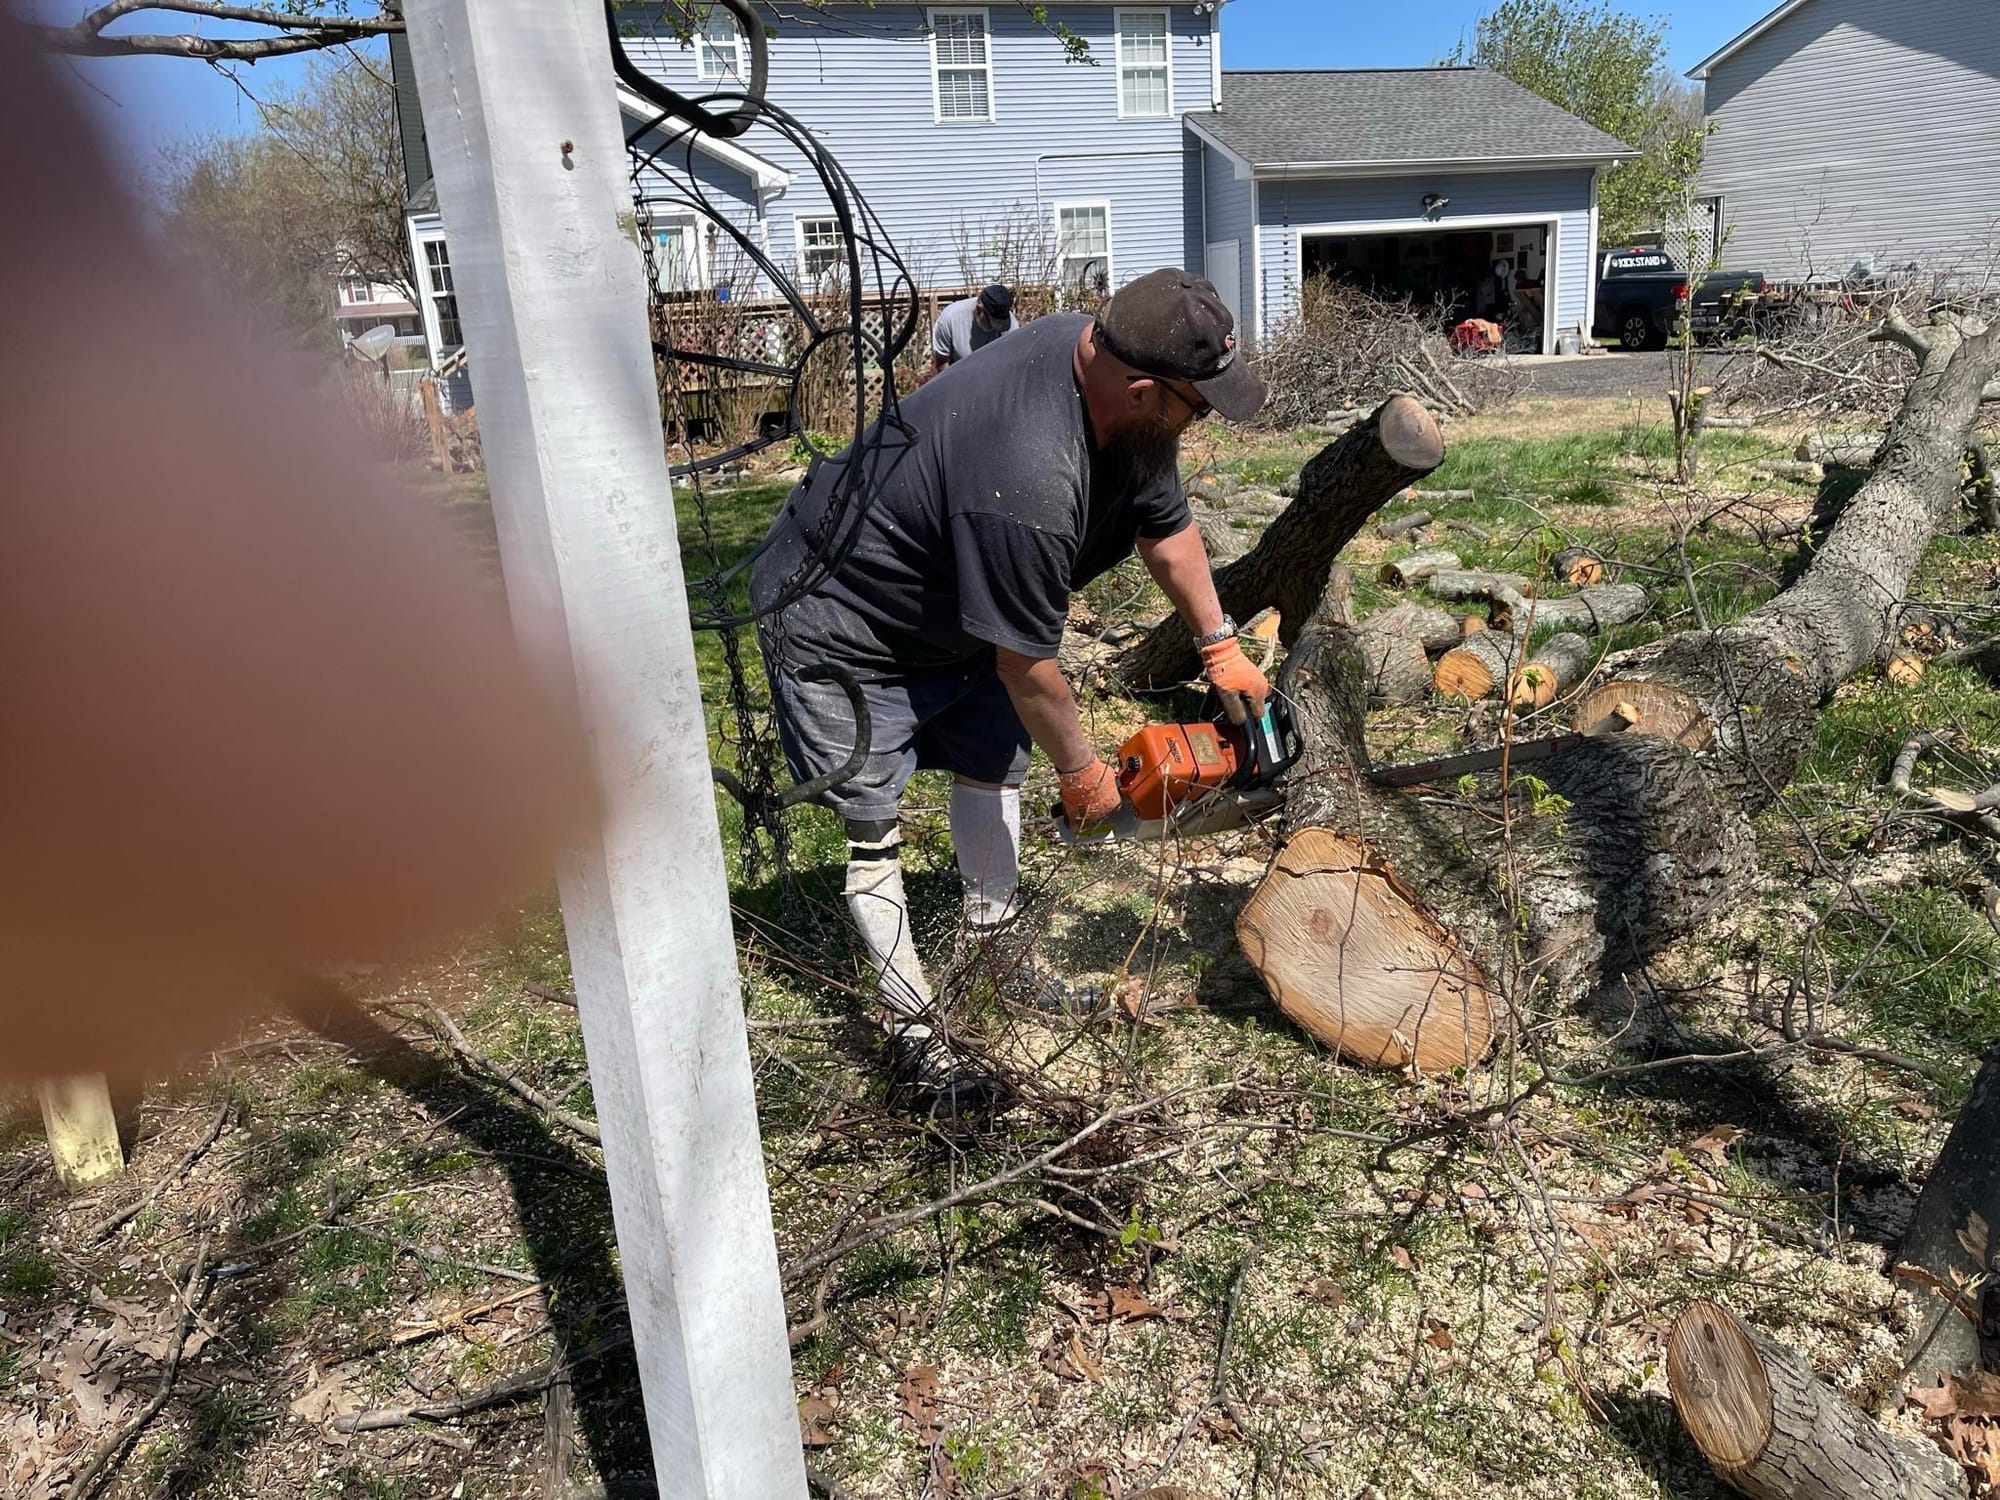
<point>1190,780</point>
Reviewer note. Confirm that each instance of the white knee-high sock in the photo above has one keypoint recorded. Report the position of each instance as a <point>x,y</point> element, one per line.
<point>882,916</point>
<point>986,833</point>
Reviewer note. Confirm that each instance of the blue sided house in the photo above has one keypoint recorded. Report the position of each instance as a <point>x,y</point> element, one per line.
<point>989,152</point>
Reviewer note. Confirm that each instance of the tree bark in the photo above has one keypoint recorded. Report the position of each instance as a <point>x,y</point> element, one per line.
<point>1462,587</point>
<point>1982,488</point>
<point>1951,1236</point>
<point>1851,451</point>
<point>1771,1428</point>
<point>1339,489</point>
<point>1598,607</point>
<point>1403,524</point>
<point>1394,647</point>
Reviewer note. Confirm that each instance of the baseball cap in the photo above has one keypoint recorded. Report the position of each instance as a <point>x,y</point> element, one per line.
<point>997,300</point>
<point>1171,324</point>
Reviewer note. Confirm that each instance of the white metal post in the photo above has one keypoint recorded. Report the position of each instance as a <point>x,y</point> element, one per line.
<point>522,116</point>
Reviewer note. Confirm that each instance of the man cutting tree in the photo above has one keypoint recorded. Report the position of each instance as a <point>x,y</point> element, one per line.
<point>1012,480</point>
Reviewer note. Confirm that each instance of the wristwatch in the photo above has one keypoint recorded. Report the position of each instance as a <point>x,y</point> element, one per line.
<point>1216,636</point>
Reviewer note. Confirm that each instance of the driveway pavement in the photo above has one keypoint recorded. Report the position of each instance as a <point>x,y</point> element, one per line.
<point>1615,374</point>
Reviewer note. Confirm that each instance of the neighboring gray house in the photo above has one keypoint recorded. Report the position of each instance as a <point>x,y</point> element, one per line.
<point>1857,131</point>
<point>1415,180</point>
<point>966,127</point>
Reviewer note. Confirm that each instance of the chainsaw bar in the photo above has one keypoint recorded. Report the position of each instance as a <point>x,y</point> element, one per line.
<point>1525,752</point>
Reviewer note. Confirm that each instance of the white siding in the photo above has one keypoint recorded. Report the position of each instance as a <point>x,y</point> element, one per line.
<point>1856,130</point>
<point>1288,205</point>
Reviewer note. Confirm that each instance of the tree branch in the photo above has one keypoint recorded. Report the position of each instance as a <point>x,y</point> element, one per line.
<point>1897,329</point>
<point>297,32</point>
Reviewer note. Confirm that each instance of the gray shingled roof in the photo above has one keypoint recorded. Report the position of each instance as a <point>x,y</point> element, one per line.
<point>1375,116</point>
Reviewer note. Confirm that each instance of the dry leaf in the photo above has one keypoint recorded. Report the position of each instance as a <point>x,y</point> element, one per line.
<point>1438,1334</point>
<point>815,1415</point>
<point>1915,1109</point>
<point>1127,1304</point>
<point>1715,1144</point>
<point>1402,1260</point>
<point>90,1388</point>
<point>917,1396</point>
<point>1472,1191</point>
<point>1085,1363</point>
<point>1327,1293</point>
<point>1976,1238</point>
<point>1978,1394</point>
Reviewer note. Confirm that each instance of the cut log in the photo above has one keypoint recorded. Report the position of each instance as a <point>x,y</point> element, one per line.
<point>1785,468</point>
<point>1349,953</point>
<point>1854,450</point>
<point>1463,587</point>
<point>1470,626</point>
<point>1593,609</point>
<point>1950,1241</point>
<point>1432,628</point>
<point>1771,1428</point>
<point>1477,665</point>
<point>1557,665</point>
<point>1393,527</point>
<point>1727,424</point>
<point>1339,489</point>
<point>1467,528</point>
<point>1225,543</point>
<point>1577,566</point>
<point>1401,572</point>
<point>1443,497</point>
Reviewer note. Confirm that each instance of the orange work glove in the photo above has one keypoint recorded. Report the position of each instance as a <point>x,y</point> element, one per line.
<point>1090,794</point>
<point>1236,677</point>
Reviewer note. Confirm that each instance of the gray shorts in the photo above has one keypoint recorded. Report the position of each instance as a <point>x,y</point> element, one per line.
<point>960,721</point>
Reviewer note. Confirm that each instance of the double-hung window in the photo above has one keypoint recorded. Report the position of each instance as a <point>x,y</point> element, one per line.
<point>1143,64</point>
<point>821,252</point>
<point>718,47</point>
<point>1083,245</point>
<point>962,64</point>
<point>444,298</point>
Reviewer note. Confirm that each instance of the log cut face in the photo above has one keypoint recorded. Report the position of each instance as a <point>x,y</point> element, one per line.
<point>1771,1428</point>
<point>1339,489</point>
<point>1349,953</point>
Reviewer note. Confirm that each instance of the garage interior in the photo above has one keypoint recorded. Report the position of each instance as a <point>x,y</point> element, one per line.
<point>1462,269</point>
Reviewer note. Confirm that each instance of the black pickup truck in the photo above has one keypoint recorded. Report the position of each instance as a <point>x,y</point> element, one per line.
<point>1640,294</point>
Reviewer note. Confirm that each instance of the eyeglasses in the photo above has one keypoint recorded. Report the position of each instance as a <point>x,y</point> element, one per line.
<point>1199,407</point>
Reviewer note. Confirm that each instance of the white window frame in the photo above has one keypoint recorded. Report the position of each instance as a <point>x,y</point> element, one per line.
<point>1110,237</point>
<point>985,14</point>
<point>662,216</point>
<point>1118,15</point>
<point>704,44</point>
<point>799,222</point>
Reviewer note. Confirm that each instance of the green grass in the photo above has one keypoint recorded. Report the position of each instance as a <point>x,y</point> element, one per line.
<point>25,1272</point>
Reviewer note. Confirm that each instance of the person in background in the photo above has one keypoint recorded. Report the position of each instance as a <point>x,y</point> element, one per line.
<point>970,325</point>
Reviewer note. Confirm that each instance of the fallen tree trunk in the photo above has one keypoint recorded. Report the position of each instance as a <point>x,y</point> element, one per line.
<point>1854,450</point>
<point>1558,664</point>
<point>1950,1241</point>
<point>1771,1428</point>
<point>1401,572</point>
<point>1339,489</point>
<point>1653,837</point>
<point>1402,525</point>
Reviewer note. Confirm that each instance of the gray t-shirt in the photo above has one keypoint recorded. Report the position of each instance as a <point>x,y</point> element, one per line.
<point>957,332</point>
<point>979,520</point>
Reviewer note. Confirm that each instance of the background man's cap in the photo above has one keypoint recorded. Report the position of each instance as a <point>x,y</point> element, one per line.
<point>997,300</point>
<point>1171,324</point>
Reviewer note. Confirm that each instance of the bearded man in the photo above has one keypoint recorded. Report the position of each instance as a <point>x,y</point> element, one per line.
<point>1011,481</point>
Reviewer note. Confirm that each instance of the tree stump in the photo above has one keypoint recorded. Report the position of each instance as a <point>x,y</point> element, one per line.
<point>1771,1428</point>
<point>1338,490</point>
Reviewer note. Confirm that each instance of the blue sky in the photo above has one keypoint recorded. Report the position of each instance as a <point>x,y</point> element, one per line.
<point>147,102</point>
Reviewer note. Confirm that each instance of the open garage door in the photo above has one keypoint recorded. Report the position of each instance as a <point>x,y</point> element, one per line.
<point>1499,273</point>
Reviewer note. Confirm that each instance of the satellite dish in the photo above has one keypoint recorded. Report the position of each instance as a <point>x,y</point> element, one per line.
<point>375,342</point>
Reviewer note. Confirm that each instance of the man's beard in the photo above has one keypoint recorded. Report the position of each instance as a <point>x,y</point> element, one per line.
<point>1142,455</point>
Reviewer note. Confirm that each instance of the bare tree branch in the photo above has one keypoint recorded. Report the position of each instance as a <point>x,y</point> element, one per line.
<point>1897,329</point>
<point>297,32</point>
